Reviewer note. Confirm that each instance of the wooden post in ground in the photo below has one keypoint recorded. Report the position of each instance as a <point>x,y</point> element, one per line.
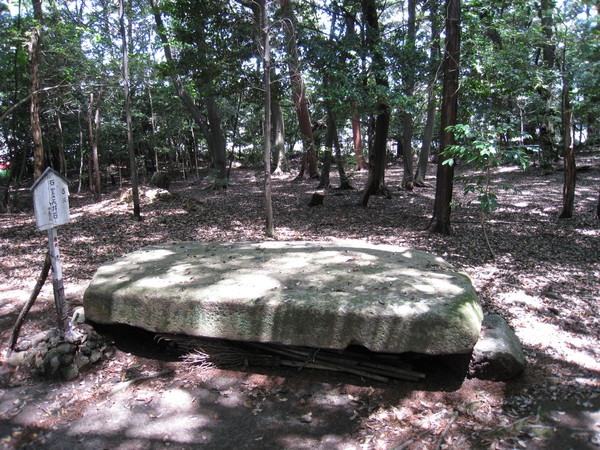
<point>64,324</point>
<point>51,204</point>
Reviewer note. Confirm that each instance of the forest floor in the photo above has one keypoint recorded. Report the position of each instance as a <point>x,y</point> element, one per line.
<point>544,280</point>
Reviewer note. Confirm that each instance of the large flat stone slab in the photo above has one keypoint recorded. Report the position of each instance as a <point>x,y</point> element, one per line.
<point>316,294</point>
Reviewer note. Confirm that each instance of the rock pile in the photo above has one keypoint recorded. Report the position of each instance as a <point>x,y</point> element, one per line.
<point>47,354</point>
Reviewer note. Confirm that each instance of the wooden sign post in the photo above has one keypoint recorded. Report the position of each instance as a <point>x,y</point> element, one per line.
<point>51,205</point>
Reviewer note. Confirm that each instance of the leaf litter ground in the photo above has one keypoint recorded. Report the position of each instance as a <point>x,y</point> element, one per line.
<point>545,280</point>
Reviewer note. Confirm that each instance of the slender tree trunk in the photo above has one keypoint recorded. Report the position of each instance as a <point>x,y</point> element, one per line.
<point>361,164</point>
<point>324,181</point>
<point>94,130</point>
<point>299,88</point>
<point>423,162</point>
<point>409,88</point>
<point>339,161</point>
<point>440,222</point>
<point>219,149</point>
<point>153,149</point>
<point>377,151</point>
<point>546,136</point>
<point>81,152</point>
<point>39,160</point>
<point>569,152</point>
<point>127,95</point>
<point>195,144</point>
<point>266,45</point>
<point>62,163</point>
<point>278,136</point>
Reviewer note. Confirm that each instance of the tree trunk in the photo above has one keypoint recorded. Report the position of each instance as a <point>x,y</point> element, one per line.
<point>339,161</point>
<point>278,136</point>
<point>94,130</point>
<point>324,181</point>
<point>409,88</point>
<point>569,152</point>
<point>153,150</point>
<point>39,160</point>
<point>440,222</point>
<point>81,152</point>
<point>219,150</point>
<point>423,162</point>
<point>546,136</point>
<point>377,151</point>
<point>127,95</point>
<point>299,88</point>
<point>431,100</point>
<point>62,163</point>
<point>266,45</point>
<point>361,164</point>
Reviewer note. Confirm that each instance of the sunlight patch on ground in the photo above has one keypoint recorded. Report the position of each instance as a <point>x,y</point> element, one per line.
<point>534,332</point>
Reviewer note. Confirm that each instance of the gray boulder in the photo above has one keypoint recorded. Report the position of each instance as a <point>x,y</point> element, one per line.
<point>161,180</point>
<point>498,355</point>
<point>314,294</point>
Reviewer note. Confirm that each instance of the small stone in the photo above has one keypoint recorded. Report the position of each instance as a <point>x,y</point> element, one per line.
<point>30,358</point>
<point>78,315</point>
<point>25,344</point>
<point>498,355</point>
<point>53,363</point>
<point>80,360</point>
<point>65,348</point>
<point>66,359</point>
<point>95,356</point>
<point>55,342</point>
<point>16,358</point>
<point>52,334</point>
<point>85,349</point>
<point>43,348</point>
<point>39,338</point>
<point>39,362</point>
<point>70,372</point>
<point>306,418</point>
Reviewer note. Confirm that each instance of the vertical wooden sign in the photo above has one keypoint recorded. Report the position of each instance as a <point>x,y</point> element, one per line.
<point>51,205</point>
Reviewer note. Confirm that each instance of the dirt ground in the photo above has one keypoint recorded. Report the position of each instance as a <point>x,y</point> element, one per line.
<point>544,280</point>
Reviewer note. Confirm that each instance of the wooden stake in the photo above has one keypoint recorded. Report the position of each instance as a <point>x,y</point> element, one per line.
<point>64,324</point>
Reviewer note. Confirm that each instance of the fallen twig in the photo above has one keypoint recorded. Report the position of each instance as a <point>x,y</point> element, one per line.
<point>205,353</point>
<point>121,386</point>
<point>445,431</point>
<point>507,426</point>
<point>414,439</point>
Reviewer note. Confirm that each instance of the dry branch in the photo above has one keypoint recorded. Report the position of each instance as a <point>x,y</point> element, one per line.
<point>210,353</point>
<point>34,295</point>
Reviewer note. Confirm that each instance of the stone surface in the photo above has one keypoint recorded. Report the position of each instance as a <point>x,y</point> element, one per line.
<point>498,354</point>
<point>316,294</point>
<point>161,180</point>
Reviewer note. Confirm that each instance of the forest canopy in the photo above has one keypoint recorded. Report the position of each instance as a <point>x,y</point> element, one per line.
<point>361,79</point>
